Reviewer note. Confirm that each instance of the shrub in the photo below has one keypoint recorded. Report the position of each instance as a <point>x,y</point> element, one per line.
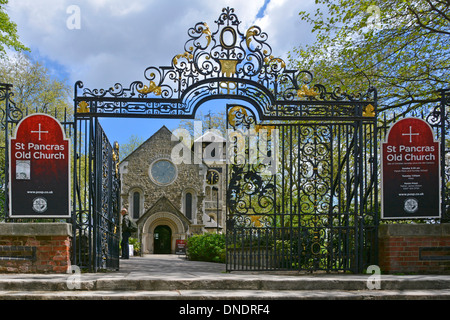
<point>206,247</point>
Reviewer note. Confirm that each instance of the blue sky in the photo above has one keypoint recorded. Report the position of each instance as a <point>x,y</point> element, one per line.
<point>117,40</point>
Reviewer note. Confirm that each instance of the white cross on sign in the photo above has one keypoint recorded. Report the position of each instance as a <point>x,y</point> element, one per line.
<point>410,134</point>
<point>39,131</point>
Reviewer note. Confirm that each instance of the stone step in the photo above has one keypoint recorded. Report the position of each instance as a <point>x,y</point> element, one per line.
<point>294,284</point>
<point>235,295</point>
<point>225,282</point>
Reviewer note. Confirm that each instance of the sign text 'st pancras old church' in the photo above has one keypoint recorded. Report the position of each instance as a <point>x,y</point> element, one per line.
<point>39,174</point>
<point>410,171</point>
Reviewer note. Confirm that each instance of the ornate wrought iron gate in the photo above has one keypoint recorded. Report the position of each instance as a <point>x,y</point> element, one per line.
<point>96,198</point>
<point>324,217</point>
<point>301,195</point>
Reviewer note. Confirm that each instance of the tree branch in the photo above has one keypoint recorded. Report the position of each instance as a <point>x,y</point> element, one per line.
<point>437,10</point>
<point>409,102</point>
<point>423,25</point>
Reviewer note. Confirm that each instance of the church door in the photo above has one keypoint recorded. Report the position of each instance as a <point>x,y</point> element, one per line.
<point>162,239</point>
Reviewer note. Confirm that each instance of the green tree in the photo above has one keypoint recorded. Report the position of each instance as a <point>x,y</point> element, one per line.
<point>34,88</point>
<point>8,32</point>
<point>128,147</point>
<point>399,46</point>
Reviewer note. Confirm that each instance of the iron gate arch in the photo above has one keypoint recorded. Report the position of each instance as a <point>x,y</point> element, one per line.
<point>241,67</point>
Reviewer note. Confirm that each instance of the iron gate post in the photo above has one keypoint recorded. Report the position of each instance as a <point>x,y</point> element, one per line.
<point>6,88</point>
<point>443,118</point>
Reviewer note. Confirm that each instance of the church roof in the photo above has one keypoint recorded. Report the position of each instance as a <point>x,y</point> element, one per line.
<point>163,205</point>
<point>210,136</point>
<point>162,130</point>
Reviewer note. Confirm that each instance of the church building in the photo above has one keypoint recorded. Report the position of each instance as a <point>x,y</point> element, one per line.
<point>171,199</point>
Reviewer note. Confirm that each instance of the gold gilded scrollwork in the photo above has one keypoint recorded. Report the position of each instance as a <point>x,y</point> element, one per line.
<point>272,60</point>
<point>306,92</point>
<point>186,55</point>
<point>251,32</point>
<point>259,127</point>
<point>83,107</point>
<point>229,86</point>
<point>369,111</point>
<point>233,113</point>
<point>256,221</point>
<point>115,157</point>
<point>207,32</point>
<point>152,88</point>
<point>228,66</point>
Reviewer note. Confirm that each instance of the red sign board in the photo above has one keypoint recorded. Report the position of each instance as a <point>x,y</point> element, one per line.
<point>410,171</point>
<point>39,169</point>
<point>180,247</point>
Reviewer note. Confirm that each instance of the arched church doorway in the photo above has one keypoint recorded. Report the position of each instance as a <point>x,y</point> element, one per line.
<point>162,240</point>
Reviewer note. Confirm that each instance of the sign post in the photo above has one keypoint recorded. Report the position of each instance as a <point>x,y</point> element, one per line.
<point>410,172</point>
<point>40,172</point>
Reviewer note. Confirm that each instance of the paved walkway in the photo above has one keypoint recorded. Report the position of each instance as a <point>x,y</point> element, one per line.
<point>168,265</point>
<point>177,267</point>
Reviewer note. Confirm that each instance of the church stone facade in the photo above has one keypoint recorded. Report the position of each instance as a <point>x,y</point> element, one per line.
<point>170,200</point>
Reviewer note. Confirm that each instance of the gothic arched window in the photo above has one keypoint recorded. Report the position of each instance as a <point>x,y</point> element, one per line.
<point>188,205</point>
<point>136,204</point>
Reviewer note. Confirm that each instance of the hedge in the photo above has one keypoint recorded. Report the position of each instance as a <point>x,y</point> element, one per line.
<point>206,247</point>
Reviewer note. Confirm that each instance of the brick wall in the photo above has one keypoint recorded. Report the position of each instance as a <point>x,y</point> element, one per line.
<point>35,247</point>
<point>414,248</point>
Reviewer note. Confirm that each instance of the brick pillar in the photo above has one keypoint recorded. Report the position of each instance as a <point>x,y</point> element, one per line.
<point>414,248</point>
<point>35,247</point>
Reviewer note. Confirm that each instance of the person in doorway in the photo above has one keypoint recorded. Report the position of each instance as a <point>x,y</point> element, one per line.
<point>126,233</point>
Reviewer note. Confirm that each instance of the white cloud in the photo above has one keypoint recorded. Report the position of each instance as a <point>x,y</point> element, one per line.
<point>118,39</point>
<point>283,25</point>
<point>120,8</point>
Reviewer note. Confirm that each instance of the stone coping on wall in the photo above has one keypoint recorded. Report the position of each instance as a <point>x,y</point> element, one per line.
<point>36,229</point>
<point>413,230</point>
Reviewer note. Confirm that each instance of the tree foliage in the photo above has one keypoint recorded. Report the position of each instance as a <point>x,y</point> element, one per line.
<point>8,32</point>
<point>401,47</point>
<point>34,88</point>
<point>208,247</point>
<point>128,147</point>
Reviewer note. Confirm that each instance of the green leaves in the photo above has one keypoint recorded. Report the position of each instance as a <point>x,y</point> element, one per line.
<point>206,247</point>
<point>8,32</point>
<point>399,46</point>
<point>34,87</point>
<point>128,147</point>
